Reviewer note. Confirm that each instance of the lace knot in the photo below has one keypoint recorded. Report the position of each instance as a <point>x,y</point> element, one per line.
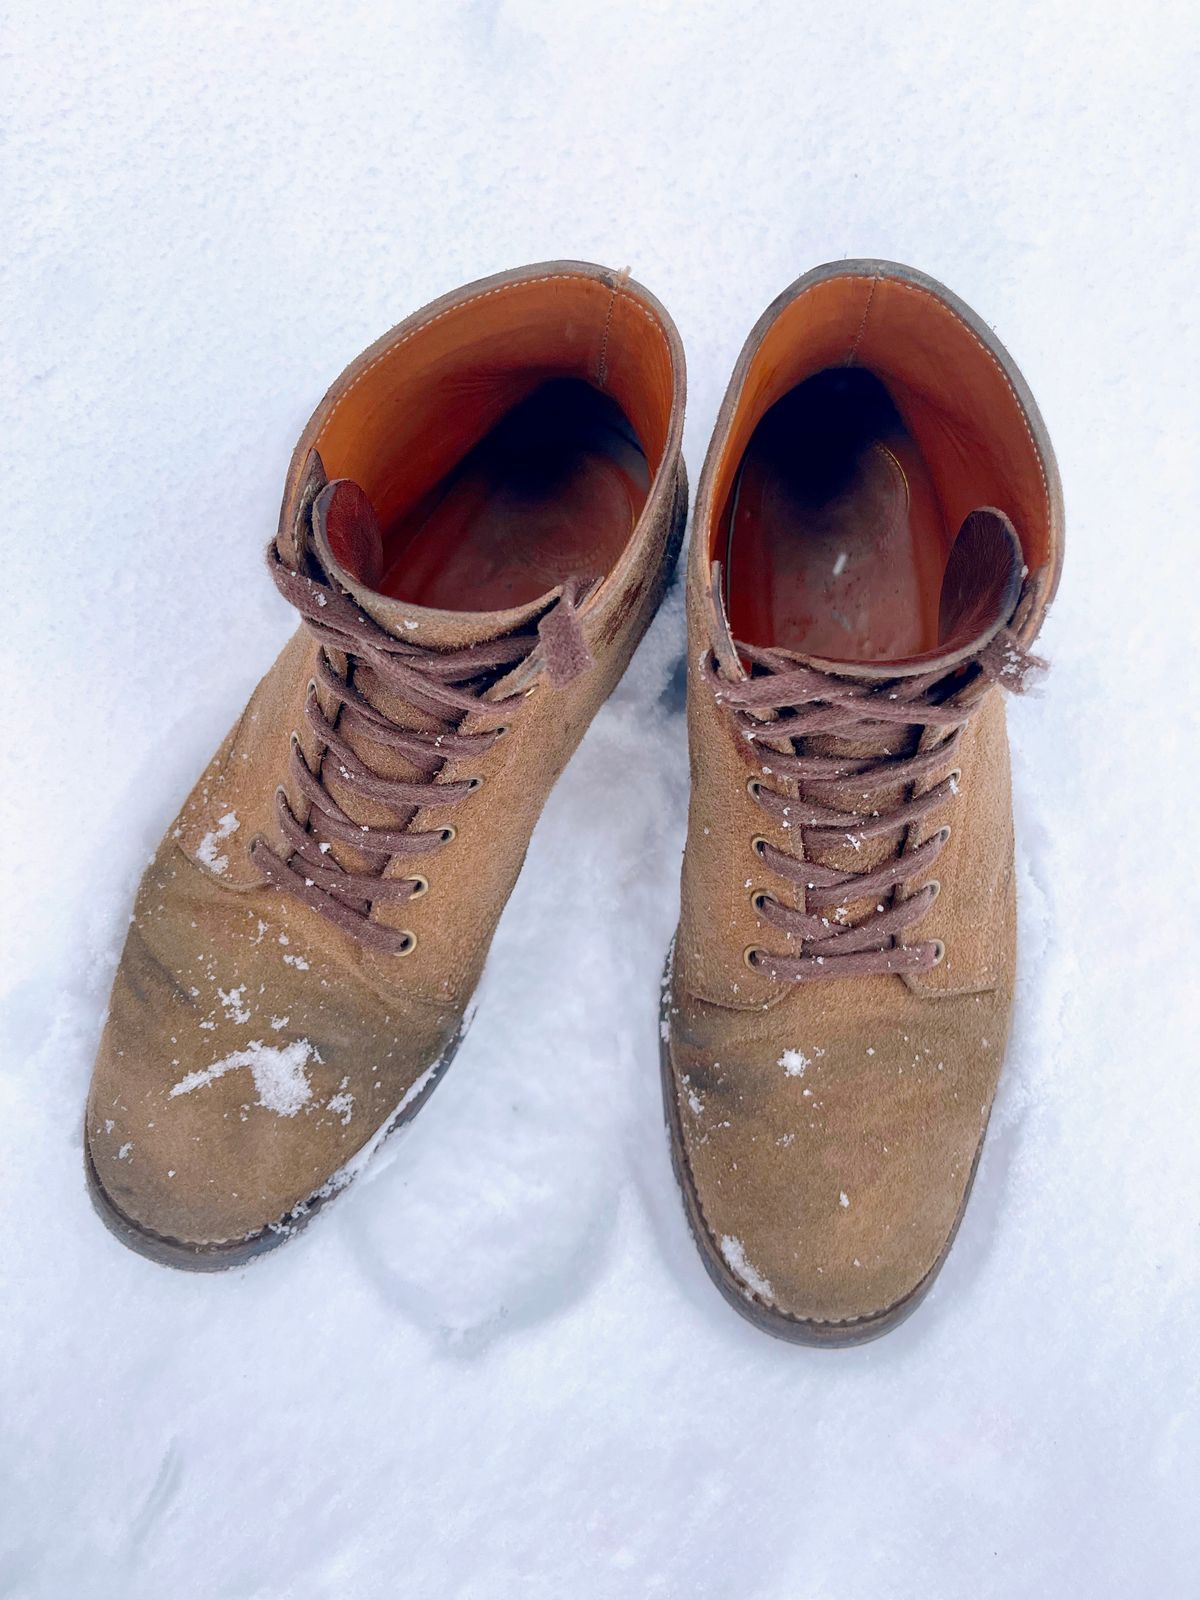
<point>1008,663</point>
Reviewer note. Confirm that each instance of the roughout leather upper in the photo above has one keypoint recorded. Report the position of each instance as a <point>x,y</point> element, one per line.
<point>828,1130</point>
<point>252,1047</point>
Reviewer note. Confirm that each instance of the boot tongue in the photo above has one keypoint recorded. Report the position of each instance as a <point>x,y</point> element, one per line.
<point>348,542</point>
<point>980,589</point>
<point>981,584</point>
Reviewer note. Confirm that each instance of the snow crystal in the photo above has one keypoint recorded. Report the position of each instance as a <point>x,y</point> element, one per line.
<point>734,1252</point>
<point>208,848</point>
<point>231,999</point>
<point>342,1105</point>
<point>794,1062</point>
<point>278,1072</point>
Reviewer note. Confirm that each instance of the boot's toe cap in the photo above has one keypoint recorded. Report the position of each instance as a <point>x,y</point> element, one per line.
<point>230,1091</point>
<point>825,1188</point>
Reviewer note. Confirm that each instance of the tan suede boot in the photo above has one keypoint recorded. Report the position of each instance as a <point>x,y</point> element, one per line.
<point>878,532</point>
<point>477,527</point>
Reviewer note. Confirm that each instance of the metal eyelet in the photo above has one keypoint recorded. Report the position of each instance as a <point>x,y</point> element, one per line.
<point>753,788</point>
<point>498,733</point>
<point>281,790</point>
<point>939,952</point>
<point>936,885</point>
<point>758,844</point>
<point>422,886</point>
<point>409,945</point>
<point>312,686</point>
<point>447,833</point>
<point>954,775</point>
<point>294,740</point>
<point>473,784</point>
<point>749,953</point>
<point>759,898</point>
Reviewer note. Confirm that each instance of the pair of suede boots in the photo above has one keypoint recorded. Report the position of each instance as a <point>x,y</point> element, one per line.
<point>478,525</point>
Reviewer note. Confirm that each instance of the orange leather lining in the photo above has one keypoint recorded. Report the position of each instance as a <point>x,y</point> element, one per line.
<point>955,399</point>
<point>551,494</point>
<point>426,400</point>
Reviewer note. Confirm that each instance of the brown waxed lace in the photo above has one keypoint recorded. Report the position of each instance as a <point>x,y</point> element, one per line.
<point>804,702</point>
<point>447,684</point>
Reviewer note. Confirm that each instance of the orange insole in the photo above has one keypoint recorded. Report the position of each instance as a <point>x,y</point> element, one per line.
<point>551,493</point>
<point>836,540</point>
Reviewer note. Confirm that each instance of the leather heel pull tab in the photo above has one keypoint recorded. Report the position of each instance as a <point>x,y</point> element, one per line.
<point>564,648</point>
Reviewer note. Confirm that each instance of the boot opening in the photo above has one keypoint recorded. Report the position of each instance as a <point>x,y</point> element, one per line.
<point>552,492</point>
<point>507,443</point>
<point>836,542</point>
<point>872,417</point>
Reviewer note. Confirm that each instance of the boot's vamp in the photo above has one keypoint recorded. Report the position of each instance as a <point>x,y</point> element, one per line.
<point>829,1140</point>
<point>252,1046</point>
<point>245,1059</point>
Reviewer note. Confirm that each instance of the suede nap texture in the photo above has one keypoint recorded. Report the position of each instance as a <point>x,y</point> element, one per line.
<point>253,1048</point>
<point>826,1132</point>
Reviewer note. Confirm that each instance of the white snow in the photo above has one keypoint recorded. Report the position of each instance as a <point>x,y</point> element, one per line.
<point>794,1063</point>
<point>743,1269</point>
<point>280,1080</point>
<point>496,1369</point>
<point>208,849</point>
<point>234,1007</point>
<point>342,1106</point>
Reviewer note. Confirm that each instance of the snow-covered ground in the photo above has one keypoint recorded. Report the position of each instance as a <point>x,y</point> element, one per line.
<point>497,1369</point>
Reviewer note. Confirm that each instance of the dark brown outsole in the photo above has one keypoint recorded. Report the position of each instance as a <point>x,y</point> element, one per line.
<point>795,1330</point>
